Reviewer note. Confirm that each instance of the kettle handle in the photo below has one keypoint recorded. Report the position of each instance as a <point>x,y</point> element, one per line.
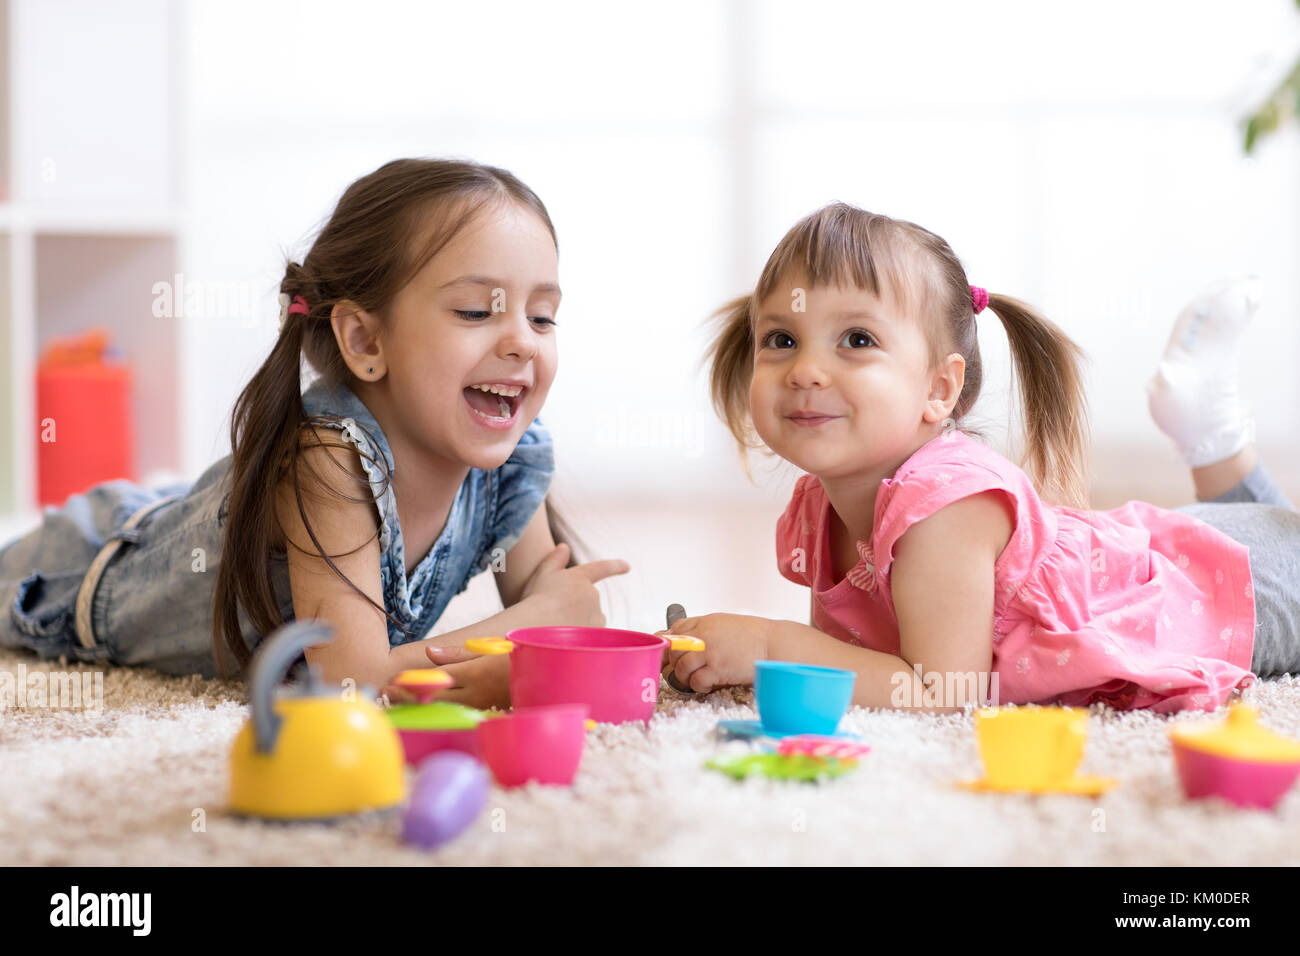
<point>275,655</point>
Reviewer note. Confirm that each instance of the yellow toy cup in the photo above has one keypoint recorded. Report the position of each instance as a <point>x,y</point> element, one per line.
<point>1031,747</point>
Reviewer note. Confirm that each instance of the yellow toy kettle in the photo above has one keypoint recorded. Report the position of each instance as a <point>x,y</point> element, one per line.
<point>314,754</point>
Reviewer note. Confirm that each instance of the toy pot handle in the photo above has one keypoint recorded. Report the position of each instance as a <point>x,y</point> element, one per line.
<point>269,668</point>
<point>489,645</point>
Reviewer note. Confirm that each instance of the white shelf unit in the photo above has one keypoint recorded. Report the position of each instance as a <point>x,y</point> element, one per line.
<point>90,97</point>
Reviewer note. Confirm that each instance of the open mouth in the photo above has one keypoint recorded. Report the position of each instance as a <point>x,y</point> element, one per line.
<point>496,403</point>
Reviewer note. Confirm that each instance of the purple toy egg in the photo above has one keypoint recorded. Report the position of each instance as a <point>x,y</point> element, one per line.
<point>449,791</point>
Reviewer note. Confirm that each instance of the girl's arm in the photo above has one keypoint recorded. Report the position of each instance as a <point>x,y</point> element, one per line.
<point>360,647</point>
<point>538,588</point>
<point>521,561</point>
<point>942,585</point>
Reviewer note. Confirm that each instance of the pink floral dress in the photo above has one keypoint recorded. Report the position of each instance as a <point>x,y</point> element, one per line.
<point>1137,607</point>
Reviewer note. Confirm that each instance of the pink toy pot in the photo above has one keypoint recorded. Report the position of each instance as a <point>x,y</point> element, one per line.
<point>614,673</point>
<point>1241,782</point>
<point>535,743</point>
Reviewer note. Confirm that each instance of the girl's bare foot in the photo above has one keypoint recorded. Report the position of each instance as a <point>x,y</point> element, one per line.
<point>1213,480</point>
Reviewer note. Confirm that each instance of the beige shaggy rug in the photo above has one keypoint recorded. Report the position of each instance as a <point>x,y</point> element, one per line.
<point>143,781</point>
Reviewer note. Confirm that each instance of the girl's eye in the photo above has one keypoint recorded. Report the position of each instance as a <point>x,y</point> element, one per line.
<point>857,339</point>
<point>479,316</point>
<point>772,339</point>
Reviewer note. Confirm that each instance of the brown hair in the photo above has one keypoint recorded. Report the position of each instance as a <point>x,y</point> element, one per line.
<point>841,244</point>
<point>366,253</point>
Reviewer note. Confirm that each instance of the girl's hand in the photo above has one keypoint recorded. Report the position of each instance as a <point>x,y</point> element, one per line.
<point>569,595</point>
<point>732,643</point>
<point>482,680</point>
<point>399,695</point>
<point>439,656</point>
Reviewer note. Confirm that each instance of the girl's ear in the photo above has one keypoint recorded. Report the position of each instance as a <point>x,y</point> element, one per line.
<point>945,388</point>
<point>357,333</point>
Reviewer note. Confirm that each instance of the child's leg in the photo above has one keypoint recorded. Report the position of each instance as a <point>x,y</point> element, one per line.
<point>1193,395</point>
<point>1255,484</point>
<point>1273,536</point>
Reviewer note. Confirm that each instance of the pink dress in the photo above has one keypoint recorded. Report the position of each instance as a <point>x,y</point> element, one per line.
<point>1137,607</point>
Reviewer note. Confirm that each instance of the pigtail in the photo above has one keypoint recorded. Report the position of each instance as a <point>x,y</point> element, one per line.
<point>263,431</point>
<point>731,366</point>
<point>266,429</point>
<point>1048,365</point>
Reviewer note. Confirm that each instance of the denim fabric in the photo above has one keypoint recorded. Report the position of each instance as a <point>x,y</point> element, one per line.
<point>491,511</point>
<point>151,603</point>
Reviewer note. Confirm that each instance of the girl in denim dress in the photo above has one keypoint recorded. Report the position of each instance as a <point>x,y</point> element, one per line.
<point>413,461</point>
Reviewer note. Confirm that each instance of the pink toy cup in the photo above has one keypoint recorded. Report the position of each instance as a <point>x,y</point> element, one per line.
<point>421,744</point>
<point>1243,782</point>
<point>535,743</point>
<point>614,673</point>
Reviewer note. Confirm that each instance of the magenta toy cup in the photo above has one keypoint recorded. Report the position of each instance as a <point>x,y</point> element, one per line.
<point>614,673</point>
<point>535,743</point>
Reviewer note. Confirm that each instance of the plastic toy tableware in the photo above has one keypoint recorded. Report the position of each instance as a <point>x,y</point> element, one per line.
<point>614,672</point>
<point>315,754</point>
<point>798,698</point>
<point>427,729</point>
<point>675,613</point>
<point>814,746</point>
<point>1238,759</point>
<point>1034,750</point>
<point>754,730</point>
<point>783,766</point>
<point>803,757</point>
<point>449,792</point>
<point>424,682</point>
<point>535,743</point>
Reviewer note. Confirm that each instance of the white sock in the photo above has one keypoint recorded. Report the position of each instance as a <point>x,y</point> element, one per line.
<point>1193,395</point>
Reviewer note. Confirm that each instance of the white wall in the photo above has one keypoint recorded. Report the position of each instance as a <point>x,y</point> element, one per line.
<point>1084,158</point>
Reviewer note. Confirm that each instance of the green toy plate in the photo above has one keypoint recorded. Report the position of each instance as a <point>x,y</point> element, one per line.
<point>436,715</point>
<point>782,766</point>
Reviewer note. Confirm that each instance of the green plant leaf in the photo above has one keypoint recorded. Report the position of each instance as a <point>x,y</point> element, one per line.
<point>1282,104</point>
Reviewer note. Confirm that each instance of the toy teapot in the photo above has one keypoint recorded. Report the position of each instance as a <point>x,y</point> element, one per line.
<point>315,753</point>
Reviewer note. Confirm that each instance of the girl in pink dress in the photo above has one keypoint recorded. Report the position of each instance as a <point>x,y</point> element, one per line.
<point>941,572</point>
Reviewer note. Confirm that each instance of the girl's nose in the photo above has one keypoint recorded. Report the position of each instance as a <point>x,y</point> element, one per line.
<point>517,340</point>
<point>806,372</point>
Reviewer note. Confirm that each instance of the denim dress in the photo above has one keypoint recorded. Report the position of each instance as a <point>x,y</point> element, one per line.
<point>127,575</point>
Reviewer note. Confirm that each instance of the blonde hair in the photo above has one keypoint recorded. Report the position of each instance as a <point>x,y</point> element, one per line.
<point>841,244</point>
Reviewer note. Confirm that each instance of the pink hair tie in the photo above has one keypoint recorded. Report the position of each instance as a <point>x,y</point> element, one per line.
<point>297,307</point>
<point>979,298</point>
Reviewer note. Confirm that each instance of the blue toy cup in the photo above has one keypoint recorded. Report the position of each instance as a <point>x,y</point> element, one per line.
<point>801,698</point>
